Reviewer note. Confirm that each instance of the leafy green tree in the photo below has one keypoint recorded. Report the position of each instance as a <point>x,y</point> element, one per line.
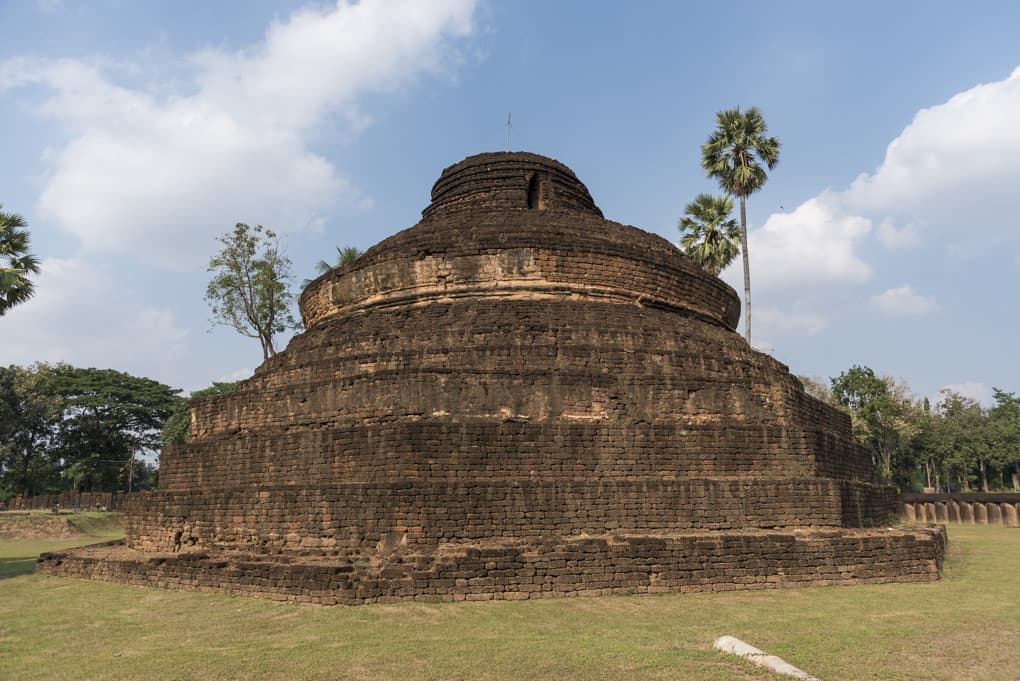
<point>29,415</point>
<point>16,263</point>
<point>344,256</point>
<point>711,237</point>
<point>107,418</point>
<point>923,445</point>
<point>963,438</point>
<point>884,416</point>
<point>177,429</point>
<point>249,291</point>
<point>737,154</point>
<point>1004,427</point>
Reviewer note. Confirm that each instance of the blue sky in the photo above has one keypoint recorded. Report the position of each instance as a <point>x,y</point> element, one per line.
<point>134,133</point>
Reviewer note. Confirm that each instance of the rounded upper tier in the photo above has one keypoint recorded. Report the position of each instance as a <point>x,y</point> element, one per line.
<point>509,181</point>
<point>519,225</point>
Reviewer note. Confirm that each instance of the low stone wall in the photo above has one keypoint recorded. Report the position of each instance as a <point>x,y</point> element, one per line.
<point>972,509</point>
<point>587,566</point>
<point>110,501</point>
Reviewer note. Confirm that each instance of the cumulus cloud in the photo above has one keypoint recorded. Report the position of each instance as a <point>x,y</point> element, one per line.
<point>898,238</point>
<point>156,175</point>
<point>948,177</point>
<point>951,162</point>
<point>814,242</point>
<point>951,172</point>
<point>903,300</point>
<point>81,315</point>
<point>795,320</point>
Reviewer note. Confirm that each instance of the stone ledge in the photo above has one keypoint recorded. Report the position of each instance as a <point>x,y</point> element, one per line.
<point>580,566</point>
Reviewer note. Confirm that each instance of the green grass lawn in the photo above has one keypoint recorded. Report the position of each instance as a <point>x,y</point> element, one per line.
<point>18,557</point>
<point>964,627</point>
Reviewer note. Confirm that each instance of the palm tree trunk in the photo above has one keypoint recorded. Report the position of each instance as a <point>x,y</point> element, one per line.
<point>747,268</point>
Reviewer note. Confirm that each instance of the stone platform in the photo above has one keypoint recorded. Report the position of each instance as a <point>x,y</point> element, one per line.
<point>580,566</point>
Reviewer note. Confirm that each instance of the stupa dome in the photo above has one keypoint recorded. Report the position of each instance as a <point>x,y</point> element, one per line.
<point>512,385</point>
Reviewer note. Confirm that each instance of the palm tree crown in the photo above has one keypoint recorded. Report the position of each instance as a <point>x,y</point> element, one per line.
<point>15,262</point>
<point>711,237</point>
<point>344,256</point>
<point>736,154</point>
<point>737,148</point>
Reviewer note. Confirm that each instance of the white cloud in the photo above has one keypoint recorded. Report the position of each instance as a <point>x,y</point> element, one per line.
<point>951,173</point>
<point>158,176</point>
<point>972,389</point>
<point>81,315</point>
<point>236,375</point>
<point>903,300</point>
<point>955,160</point>
<point>815,242</point>
<point>948,178</point>
<point>795,320</point>
<point>898,238</point>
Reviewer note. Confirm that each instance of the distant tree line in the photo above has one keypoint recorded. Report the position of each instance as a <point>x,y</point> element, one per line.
<point>63,428</point>
<point>953,445</point>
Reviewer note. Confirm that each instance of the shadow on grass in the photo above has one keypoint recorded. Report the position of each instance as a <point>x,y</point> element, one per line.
<point>17,566</point>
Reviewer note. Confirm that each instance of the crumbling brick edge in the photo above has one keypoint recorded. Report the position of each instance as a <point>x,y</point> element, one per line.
<point>585,566</point>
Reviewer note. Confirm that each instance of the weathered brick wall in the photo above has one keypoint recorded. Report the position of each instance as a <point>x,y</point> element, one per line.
<point>619,273</point>
<point>455,449</point>
<point>360,516</point>
<point>576,567</point>
<point>502,182</point>
<point>420,393</point>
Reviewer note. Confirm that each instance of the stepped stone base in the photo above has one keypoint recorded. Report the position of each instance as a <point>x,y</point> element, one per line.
<point>580,566</point>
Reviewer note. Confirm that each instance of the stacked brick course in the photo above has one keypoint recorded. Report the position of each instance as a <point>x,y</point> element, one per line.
<point>515,397</point>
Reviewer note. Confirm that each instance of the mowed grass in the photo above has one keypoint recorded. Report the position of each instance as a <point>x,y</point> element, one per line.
<point>964,627</point>
<point>17,557</point>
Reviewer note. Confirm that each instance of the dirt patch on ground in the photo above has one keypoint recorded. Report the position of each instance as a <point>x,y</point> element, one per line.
<point>38,527</point>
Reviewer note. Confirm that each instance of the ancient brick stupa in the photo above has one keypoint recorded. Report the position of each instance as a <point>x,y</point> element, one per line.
<point>514,398</point>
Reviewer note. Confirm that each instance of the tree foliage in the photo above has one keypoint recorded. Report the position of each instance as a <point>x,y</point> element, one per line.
<point>107,417</point>
<point>737,154</point>
<point>817,388</point>
<point>883,412</point>
<point>711,237</point>
<point>63,427</point>
<point>177,429</point>
<point>955,444</point>
<point>29,416</point>
<point>250,288</point>
<point>344,256</point>
<point>16,263</point>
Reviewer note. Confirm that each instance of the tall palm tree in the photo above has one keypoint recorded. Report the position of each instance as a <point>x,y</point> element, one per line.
<point>737,154</point>
<point>711,237</point>
<point>15,262</point>
<point>344,256</point>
